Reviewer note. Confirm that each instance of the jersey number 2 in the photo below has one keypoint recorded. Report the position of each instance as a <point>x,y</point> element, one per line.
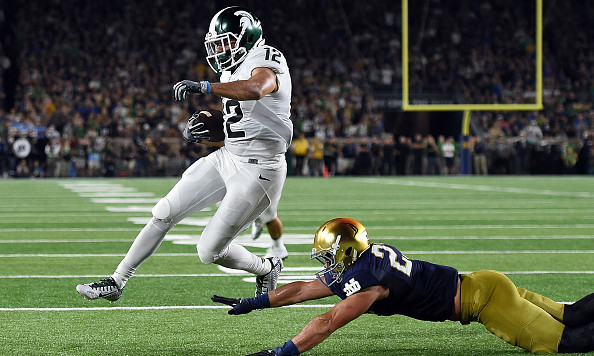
<point>233,114</point>
<point>397,260</point>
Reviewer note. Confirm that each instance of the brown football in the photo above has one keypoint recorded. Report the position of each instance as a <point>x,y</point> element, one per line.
<point>213,121</point>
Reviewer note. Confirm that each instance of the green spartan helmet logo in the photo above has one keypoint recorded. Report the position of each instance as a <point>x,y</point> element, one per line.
<point>247,22</point>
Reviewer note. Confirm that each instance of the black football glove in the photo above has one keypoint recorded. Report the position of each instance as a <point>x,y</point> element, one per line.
<point>195,132</point>
<point>240,306</point>
<point>264,352</point>
<point>181,89</point>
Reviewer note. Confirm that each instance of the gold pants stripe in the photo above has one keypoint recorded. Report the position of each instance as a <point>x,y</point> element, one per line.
<point>517,316</point>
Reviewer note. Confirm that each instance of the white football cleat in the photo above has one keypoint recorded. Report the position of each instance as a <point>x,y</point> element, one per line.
<point>267,282</point>
<point>280,252</point>
<point>105,288</point>
<point>257,228</point>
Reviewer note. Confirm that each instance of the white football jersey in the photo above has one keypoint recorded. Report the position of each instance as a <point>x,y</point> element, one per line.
<point>260,129</point>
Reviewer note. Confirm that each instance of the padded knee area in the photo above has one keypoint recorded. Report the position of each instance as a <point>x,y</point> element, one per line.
<point>162,210</point>
<point>206,256</point>
<point>163,225</point>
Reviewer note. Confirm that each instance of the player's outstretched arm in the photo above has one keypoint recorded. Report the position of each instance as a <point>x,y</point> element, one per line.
<point>297,292</point>
<point>290,293</point>
<point>322,326</point>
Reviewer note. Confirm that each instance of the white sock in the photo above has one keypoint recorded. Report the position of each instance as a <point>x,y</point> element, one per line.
<point>278,243</point>
<point>145,244</point>
<point>238,257</point>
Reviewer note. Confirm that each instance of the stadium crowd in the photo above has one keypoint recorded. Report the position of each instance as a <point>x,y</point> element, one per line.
<point>93,89</point>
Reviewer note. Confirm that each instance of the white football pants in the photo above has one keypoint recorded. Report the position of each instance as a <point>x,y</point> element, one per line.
<point>245,190</point>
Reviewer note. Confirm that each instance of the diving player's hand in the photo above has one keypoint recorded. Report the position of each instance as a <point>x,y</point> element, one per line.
<point>264,352</point>
<point>240,306</point>
<point>181,89</point>
<point>287,349</point>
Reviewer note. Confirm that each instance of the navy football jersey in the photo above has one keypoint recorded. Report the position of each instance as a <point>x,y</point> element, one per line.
<point>418,289</point>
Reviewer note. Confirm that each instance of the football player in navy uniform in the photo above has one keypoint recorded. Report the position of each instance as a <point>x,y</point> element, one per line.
<point>378,278</point>
<point>245,175</point>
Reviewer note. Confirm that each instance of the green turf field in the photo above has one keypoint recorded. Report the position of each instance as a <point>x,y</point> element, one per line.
<point>57,233</point>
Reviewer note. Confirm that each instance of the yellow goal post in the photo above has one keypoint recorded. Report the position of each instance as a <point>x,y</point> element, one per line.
<point>468,108</point>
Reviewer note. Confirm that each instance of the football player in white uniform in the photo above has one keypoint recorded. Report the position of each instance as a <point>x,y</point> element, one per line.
<point>245,175</point>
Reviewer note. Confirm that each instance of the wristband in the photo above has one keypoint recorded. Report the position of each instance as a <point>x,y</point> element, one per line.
<point>260,302</point>
<point>205,87</point>
<point>288,349</point>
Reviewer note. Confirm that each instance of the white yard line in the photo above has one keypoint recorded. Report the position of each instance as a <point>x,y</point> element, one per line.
<point>135,276</point>
<point>536,237</point>
<point>481,188</point>
<point>61,241</point>
<point>125,200</point>
<point>476,227</point>
<point>76,229</point>
<point>116,194</point>
<point>85,255</point>
<point>301,215</point>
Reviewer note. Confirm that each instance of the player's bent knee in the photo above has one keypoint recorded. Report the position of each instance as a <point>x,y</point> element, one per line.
<point>162,210</point>
<point>163,225</point>
<point>207,256</point>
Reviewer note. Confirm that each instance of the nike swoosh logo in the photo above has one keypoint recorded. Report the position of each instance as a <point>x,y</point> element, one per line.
<point>260,177</point>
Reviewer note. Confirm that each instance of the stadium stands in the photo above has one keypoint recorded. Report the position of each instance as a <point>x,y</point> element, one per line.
<point>93,94</point>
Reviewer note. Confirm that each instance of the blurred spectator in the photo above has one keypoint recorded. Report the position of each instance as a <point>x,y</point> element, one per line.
<point>22,169</point>
<point>331,155</point>
<point>433,154</point>
<point>376,155</point>
<point>419,154</point>
<point>300,152</point>
<point>388,165</point>
<point>585,154</point>
<point>448,150</point>
<point>402,155</point>
<point>533,133</point>
<point>480,156</point>
<point>569,160</point>
<point>316,157</point>
<point>346,160</point>
<point>523,152</point>
<point>502,155</point>
<point>363,165</point>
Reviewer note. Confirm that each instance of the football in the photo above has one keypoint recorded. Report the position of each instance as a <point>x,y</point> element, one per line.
<point>213,121</point>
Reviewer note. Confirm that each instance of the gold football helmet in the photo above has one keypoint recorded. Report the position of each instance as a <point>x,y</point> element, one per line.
<point>337,244</point>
